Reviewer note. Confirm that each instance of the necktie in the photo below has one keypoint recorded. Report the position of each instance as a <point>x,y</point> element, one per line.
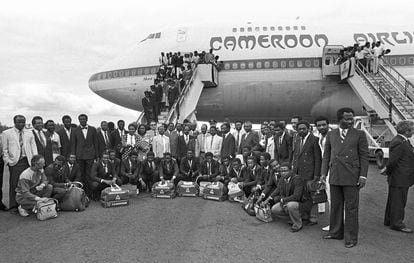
<point>209,168</point>
<point>238,138</point>
<point>42,141</point>
<point>203,143</point>
<point>343,135</point>
<point>152,165</point>
<point>211,144</point>
<point>186,139</point>
<point>106,138</point>
<point>302,140</point>
<point>190,163</point>
<point>105,168</point>
<point>21,143</point>
<point>280,141</point>
<point>70,169</point>
<point>321,143</point>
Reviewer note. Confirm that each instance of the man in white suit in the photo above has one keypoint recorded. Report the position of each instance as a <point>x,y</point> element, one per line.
<point>201,139</point>
<point>160,143</point>
<point>214,142</point>
<point>19,147</point>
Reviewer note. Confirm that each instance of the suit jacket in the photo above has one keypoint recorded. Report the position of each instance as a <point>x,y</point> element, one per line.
<point>307,163</point>
<point>74,175</point>
<point>116,166</point>
<point>238,143</point>
<point>291,190</point>
<point>215,169</point>
<point>134,168</point>
<point>213,145</point>
<point>184,147</point>
<point>240,175</point>
<point>147,104</point>
<point>65,143</point>
<point>85,148</point>
<point>251,140</point>
<point>283,151</point>
<point>102,146</point>
<point>55,177</point>
<point>115,140</point>
<point>158,147</point>
<point>98,172</point>
<point>254,177</point>
<point>148,172</point>
<point>168,170</point>
<point>11,146</point>
<point>200,138</point>
<point>228,146</point>
<point>174,143</point>
<point>270,147</point>
<point>46,151</point>
<point>187,170</point>
<point>345,161</point>
<point>400,168</point>
<point>271,184</point>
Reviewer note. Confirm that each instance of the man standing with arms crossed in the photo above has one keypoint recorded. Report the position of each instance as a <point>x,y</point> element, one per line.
<point>346,159</point>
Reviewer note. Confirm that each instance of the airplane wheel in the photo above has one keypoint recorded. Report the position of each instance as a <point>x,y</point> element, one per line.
<point>380,160</point>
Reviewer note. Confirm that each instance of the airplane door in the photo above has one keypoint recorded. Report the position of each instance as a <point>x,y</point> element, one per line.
<point>329,56</point>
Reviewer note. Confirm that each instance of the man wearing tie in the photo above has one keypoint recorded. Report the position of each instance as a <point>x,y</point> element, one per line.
<point>209,169</point>
<point>400,171</point>
<point>115,138</point>
<point>65,134</point>
<point>149,171</point>
<point>103,138</point>
<point>283,144</point>
<point>214,143</point>
<point>85,147</point>
<point>238,133</point>
<point>43,145</point>
<point>346,158</point>
<point>160,143</point>
<point>189,168</point>
<point>201,139</point>
<point>228,147</point>
<point>19,146</point>
<point>185,142</point>
<point>250,138</point>
<point>102,176</point>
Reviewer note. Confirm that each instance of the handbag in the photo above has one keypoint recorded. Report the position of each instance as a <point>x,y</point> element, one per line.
<point>263,213</point>
<point>317,192</point>
<point>75,198</point>
<point>46,209</point>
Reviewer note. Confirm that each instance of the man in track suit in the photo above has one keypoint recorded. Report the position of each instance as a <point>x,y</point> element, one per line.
<point>346,157</point>
<point>400,171</point>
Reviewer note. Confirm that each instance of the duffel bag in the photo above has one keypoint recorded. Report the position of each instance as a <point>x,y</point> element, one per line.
<point>46,209</point>
<point>235,193</point>
<point>163,190</point>
<point>202,186</point>
<point>187,189</point>
<point>263,213</point>
<point>75,198</point>
<point>114,193</point>
<point>248,204</point>
<point>215,191</point>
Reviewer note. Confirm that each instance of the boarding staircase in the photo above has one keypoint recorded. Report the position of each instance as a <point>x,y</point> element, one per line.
<point>204,76</point>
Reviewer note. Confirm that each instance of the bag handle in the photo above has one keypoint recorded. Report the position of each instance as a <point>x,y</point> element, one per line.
<point>115,187</point>
<point>76,184</point>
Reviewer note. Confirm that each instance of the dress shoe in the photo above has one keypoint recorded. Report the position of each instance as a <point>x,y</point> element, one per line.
<point>332,237</point>
<point>404,230</point>
<point>349,245</point>
<point>295,229</point>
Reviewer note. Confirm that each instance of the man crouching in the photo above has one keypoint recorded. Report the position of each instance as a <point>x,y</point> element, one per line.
<point>32,186</point>
<point>288,197</point>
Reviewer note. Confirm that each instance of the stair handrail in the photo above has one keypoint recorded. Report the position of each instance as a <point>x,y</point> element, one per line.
<point>180,98</point>
<point>381,93</point>
<point>405,83</point>
<point>140,117</point>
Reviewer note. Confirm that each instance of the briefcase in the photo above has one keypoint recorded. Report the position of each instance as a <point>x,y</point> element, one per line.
<point>235,191</point>
<point>263,213</point>
<point>215,191</point>
<point>114,196</point>
<point>202,186</point>
<point>46,210</point>
<point>163,190</point>
<point>187,189</point>
<point>319,196</point>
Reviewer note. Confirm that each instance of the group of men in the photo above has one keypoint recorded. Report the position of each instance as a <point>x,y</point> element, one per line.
<point>278,164</point>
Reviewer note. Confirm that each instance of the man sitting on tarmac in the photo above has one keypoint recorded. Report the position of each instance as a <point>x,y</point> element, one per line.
<point>168,169</point>
<point>189,168</point>
<point>209,170</point>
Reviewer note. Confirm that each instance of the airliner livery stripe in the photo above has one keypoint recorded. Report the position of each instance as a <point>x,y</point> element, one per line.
<point>250,64</point>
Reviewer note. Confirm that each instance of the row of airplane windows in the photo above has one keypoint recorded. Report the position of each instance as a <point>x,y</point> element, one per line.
<point>240,65</point>
<point>265,28</point>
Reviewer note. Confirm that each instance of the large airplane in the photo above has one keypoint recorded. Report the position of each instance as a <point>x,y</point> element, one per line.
<point>271,70</point>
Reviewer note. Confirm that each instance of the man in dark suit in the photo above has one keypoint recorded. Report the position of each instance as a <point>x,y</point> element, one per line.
<point>254,177</point>
<point>400,171</point>
<point>189,168</point>
<point>306,162</point>
<point>185,142</point>
<point>65,134</point>
<point>85,147</point>
<point>228,147</point>
<point>149,171</point>
<point>103,138</point>
<point>209,169</point>
<point>115,139</point>
<point>173,135</point>
<point>148,106</point>
<point>102,176</point>
<point>115,163</point>
<point>71,169</point>
<point>346,157</point>
<point>43,144</point>
<point>283,143</point>
<point>168,169</point>
<point>130,171</point>
<point>288,197</point>
<point>250,138</point>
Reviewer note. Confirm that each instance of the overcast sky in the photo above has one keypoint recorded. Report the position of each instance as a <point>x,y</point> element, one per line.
<point>49,49</point>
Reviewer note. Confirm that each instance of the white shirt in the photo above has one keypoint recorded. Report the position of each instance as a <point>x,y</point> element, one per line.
<point>68,132</point>
<point>85,131</point>
<point>23,151</point>
<point>378,51</point>
<point>106,139</point>
<point>130,139</point>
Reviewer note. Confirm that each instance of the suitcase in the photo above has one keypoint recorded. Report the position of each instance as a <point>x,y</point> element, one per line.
<point>163,190</point>
<point>235,191</point>
<point>75,198</point>
<point>215,191</point>
<point>187,189</point>
<point>107,204</point>
<point>201,187</point>
<point>114,196</point>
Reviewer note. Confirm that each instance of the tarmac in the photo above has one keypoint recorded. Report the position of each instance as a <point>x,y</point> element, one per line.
<point>188,229</point>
